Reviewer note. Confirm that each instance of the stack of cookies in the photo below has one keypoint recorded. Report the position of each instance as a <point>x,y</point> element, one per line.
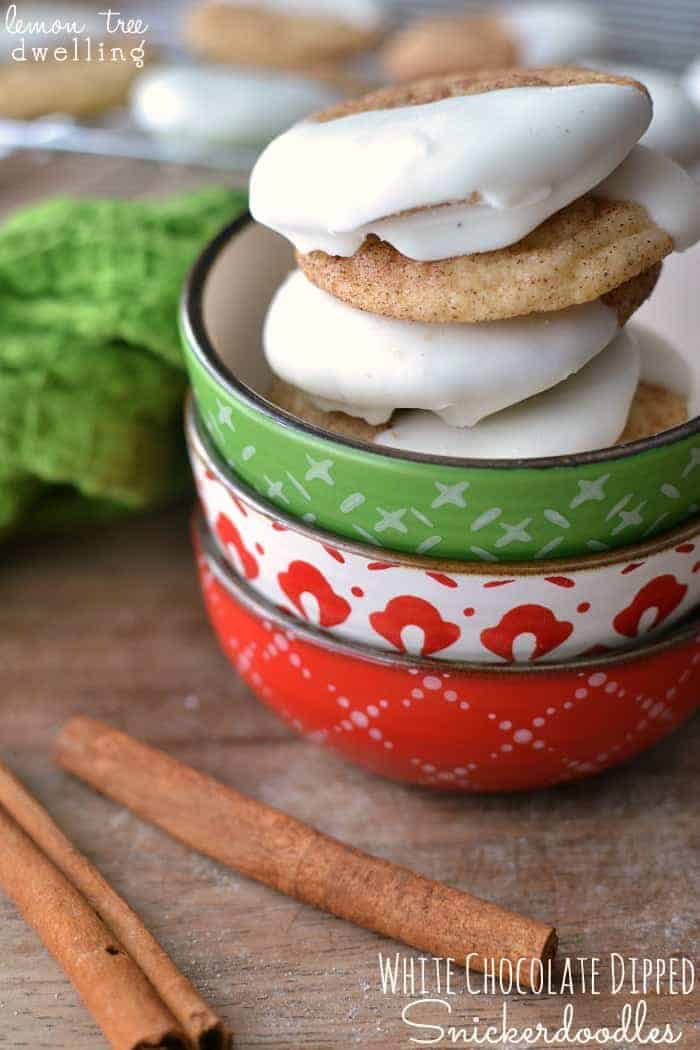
<point>462,547</point>
<point>469,252</point>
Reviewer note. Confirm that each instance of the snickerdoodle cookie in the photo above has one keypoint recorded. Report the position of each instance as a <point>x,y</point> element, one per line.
<point>474,238</point>
<point>457,85</point>
<point>81,89</point>
<point>653,410</point>
<point>524,35</point>
<point>586,251</point>
<point>433,46</point>
<point>297,403</point>
<point>582,252</point>
<point>280,36</point>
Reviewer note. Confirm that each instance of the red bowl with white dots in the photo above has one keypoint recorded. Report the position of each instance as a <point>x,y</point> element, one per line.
<point>451,725</point>
<point>547,611</point>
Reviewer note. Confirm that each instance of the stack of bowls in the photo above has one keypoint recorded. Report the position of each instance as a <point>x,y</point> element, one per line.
<point>474,625</point>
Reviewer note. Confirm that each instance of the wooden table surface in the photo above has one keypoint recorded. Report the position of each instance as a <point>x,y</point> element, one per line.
<point>111,624</point>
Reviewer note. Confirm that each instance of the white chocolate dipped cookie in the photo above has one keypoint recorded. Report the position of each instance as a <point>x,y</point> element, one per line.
<point>450,166</point>
<point>691,82</point>
<point>211,104</point>
<point>348,360</point>
<point>587,411</point>
<point>478,198</point>
<point>610,401</point>
<point>675,127</point>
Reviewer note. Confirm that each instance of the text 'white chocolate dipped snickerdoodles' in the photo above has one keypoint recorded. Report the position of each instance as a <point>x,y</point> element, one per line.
<point>283,34</point>
<point>526,34</point>
<point>469,249</point>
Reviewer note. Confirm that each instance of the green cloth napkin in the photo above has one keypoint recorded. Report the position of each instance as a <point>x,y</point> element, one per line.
<point>91,373</point>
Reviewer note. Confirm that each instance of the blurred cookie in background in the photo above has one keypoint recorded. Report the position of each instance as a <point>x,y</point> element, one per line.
<point>675,126</point>
<point>26,26</point>
<point>449,45</point>
<point>536,34</point>
<point>284,34</point>
<point>69,59</point>
<point>198,106</point>
<point>691,82</point>
<point>80,89</point>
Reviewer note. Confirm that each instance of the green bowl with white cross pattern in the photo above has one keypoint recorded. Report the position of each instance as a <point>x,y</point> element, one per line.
<point>467,509</point>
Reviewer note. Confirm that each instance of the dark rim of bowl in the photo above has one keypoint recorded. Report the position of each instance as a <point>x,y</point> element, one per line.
<point>261,608</point>
<point>202,447</point>
<point>192,317</point>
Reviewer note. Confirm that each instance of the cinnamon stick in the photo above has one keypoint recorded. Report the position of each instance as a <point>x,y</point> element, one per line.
<point>280,851</point>
<point>113,988</point>
<point>187,1010</point>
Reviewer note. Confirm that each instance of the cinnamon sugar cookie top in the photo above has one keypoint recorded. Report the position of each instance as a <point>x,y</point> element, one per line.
<point>435,89</point>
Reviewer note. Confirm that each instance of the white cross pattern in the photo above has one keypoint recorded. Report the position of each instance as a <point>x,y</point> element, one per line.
<point>514,533</point>
<point>319,470</point>
<point>630,517</point>
<point>450,494</point>
<point>390,519</point>
<point>589,490</point>
<point>275,490</point>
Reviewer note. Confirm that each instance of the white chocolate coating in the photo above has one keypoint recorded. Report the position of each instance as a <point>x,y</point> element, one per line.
<point>586,412</point>
<point>523,152</point>
<point>214,104</point>
<point>554,33</point>
<point>664,366</point>
<point>670,196</point>
<point>691,82</point>
<point>367,366</point>
<point>675,127</point>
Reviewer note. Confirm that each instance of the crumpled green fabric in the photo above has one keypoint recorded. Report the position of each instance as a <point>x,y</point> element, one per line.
<point>91,372</point>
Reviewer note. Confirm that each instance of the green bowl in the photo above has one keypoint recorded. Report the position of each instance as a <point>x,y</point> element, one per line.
<point>455,508</point>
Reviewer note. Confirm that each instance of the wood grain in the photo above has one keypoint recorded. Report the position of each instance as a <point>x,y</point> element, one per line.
<point>111,624</point>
